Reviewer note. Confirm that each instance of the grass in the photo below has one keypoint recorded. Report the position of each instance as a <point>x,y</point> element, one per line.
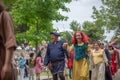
<point>43,73</point>
<point>46,73</point>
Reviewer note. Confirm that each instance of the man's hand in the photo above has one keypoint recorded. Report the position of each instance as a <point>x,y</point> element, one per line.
<point>6,69</point>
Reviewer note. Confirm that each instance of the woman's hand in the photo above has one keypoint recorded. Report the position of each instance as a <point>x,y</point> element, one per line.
<point>65,46</point>
<point>115,61</point>
<point>6,71</point>
<point>93,65</point>
<point>106,63</point>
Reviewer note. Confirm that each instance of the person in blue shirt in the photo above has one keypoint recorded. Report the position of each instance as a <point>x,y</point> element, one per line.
<point>55,57</point>
<point>21,63</point>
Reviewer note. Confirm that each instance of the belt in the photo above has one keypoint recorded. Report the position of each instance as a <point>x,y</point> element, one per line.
<point>57,61</point>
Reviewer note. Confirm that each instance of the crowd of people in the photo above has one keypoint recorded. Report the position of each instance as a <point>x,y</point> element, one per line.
<point>28,63</point>
<point>85,60</point>
<point>93,61</point>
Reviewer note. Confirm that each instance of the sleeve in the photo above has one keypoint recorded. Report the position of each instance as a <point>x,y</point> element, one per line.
<point>47,56</point>
<point>8,33</point>
<point>65,51</point>
<point>107,54</point>
<point>88,50</point>
<point>105,57</point>
<point>117,56</point>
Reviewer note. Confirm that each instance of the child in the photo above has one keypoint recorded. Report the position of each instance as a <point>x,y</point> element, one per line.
<point>38,65</point>
<point>70,63</point>
<point>31,66</point>
<point>22,62</point>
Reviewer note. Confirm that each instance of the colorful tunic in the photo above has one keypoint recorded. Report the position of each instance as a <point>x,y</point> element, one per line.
<point>80,63</point>
<point>113,67</point>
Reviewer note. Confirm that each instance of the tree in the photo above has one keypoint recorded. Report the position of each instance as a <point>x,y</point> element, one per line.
<point>94,32</point>
<point>38,16</point>
<point>9,4</point>
<point>67,35</point>
<point>108,15</point>
<point>74,25</point>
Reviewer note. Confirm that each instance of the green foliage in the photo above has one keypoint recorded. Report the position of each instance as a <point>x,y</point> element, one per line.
<point>9,4</point>
<point>74,25</point>
<point>66,36</point>
<point>108,15</point>
<point>37,17</point>
<point>93,32</point>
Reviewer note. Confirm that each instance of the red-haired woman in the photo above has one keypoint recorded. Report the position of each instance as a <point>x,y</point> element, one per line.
<point>80,63</point>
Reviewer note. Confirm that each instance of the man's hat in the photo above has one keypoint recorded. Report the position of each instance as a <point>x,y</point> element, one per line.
<point>55,33</point>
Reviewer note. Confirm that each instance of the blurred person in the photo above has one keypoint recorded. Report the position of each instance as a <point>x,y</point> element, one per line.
<point>117,77</point>
<point>21,62</point>
<point>38,65</point>
<point>7,44</point>
<point>31,66</point>
<point>90,61</point>
<point>118,58</point>
<point>15,66</point>
<point>70,63</point>
<point>99,60</point>
<point>113,55</point>
<point>81,51</point>
<point>23,46</point>
<point>55,57</point>
<point>108,75</point>
<point>26,68</point>
<point>43,52</point>
<point>44,43</point>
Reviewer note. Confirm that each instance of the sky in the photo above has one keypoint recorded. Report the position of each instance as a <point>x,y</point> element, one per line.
<point>80,10</point>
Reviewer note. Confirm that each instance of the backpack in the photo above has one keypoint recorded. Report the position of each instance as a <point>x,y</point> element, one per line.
<point>21,63</point>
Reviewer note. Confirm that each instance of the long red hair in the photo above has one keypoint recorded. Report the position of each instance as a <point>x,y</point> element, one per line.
<point>85,39</point>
